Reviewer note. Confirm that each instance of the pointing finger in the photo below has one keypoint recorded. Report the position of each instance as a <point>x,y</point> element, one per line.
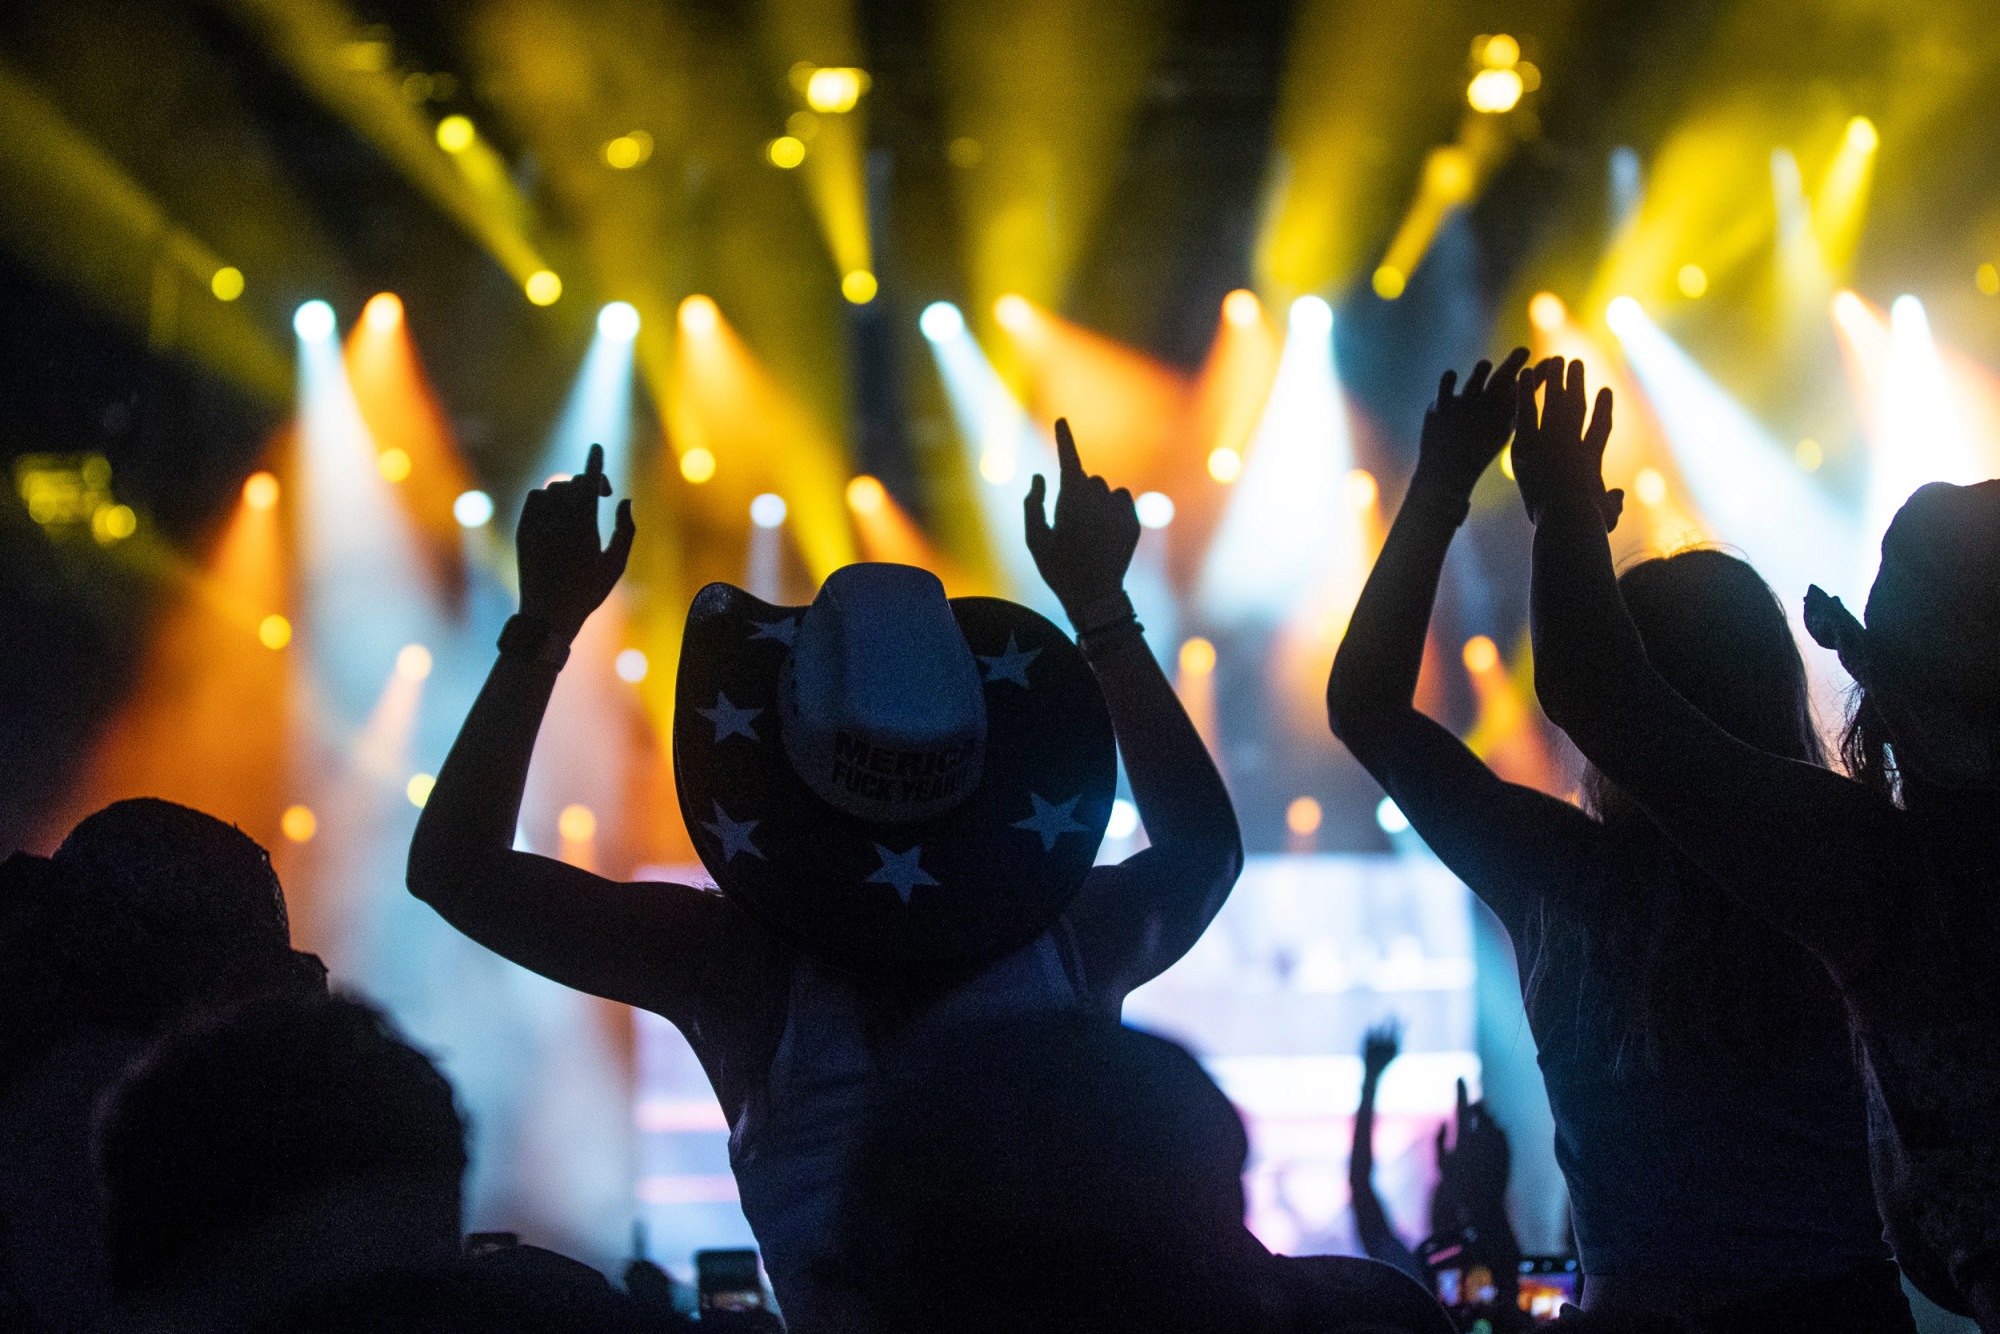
<point>1066,455</point>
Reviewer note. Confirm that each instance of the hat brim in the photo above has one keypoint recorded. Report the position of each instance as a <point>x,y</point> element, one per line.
<point>972,884</point>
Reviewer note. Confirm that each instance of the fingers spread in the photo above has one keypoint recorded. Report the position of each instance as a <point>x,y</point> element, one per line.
<point>1600,423</point>
<point>1477,382</point>
<point>1510,369</point>
<point>623,530</point>
<point>1446,383</point>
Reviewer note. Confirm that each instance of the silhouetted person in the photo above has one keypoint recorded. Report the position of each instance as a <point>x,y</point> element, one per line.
<point>147,913</point>
<point>1371,1221</point>
<point>1471,1233</point>
<point>1709,1120</point>
<point>1059,1172</point>
<point>900,798</point>
<point>285,1146</point>
<point>1889,877</point>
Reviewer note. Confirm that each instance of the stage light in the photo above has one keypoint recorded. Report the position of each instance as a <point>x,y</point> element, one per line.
<point>1500,52</point>
<point>1481,655</point>
<point>393,464</point>
<point>859,287</point>
<point>1360,489</point>
<point>1692,280</point>
<point>577,824</point>
<point>1311,315</point>
<point>785,152</point>
<point>472,509</point>
<point>1547,312</point>
<point>620,319</point>
<point>697,465</point>
<point>313,320</point>
<point>1809,456</point>
<point>630,664</point>
<point>383,312</point>
<point>998,464</point>
<point>227,284</point>
<point>1225,465</point>
<point>1241,307</point>
<point>1388,282</point>
<point>1014,313</point>
<point>1987,279</point>
<point>299,824</point>
<point>1197,657</point>
<point>543,287</point>
<point>1850,309</point>
<point>699,316</point>
<point>1494,91</point>
<point>1302,816</point>
<point>413,662</point>
<point>113,523</point>
<point>768,510</point>
<point>418,789</point>
<point>865,495</point>
<point>1650,486</point>
<point>1624,314</point>
<point>274,631</point>
<point>1390,816</point>
<point>1156,509</point>
<point>454,134</point>
<point>940,321</point>
<point>835,89</point>
<point>1861,135</point>
<point>260,490</point>
<point>1124,821</point>
<point>628,150</point>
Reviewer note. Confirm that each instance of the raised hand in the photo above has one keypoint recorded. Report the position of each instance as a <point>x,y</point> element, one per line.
<point>1475,1168</point>
<point>1557,458</point>
<point>1466,430</point>
<point>1083,557</point>
<point>1381,1046</point>
<point>565,575</point>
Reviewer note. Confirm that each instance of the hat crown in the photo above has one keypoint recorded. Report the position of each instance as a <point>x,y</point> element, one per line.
<point>883,710</point>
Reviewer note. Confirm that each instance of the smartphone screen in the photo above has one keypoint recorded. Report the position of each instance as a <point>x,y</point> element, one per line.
<point>728,1280</point>
<point>1547,1281</point>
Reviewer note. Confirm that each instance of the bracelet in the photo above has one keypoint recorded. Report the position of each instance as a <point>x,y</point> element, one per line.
<point>1101,613</point>
<point>531,637</point>
<point>1125,630</point>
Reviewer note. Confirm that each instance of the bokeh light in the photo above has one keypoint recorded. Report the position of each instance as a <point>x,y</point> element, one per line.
<point>859,287</point>
<point>413,662</point>
<point>1360,489</point>
<point>865,494</point>
<point>260,490</point>
<point>835,89</point>
<point>383,312</point>
<point>785,151</point>
<point>455,134</point>
<point>631,665</point>
<point>313,320</point>
<point>274,631</point>
<point>1013,313</point>
<point>1481,655</point>
<point>418,789</point>
<point>1494,91</point>
<point>699,317</point>
<point>620,319</point>
<point>1692,280</point>
<point>577,823</point>
<point>393,464</point>
<point>768,510</point>
<point>1225,464</point>
<point>1390,816</point>
<point>227,283</point>
<point>543,287</point>
<point>1242,308</point>
<point>472,509</point>
<point>1650,486</point>
<point>1156,509</point>
<point>1547,312</point>
<point>1197,657</point>
<point>697,465</point>
<point>941,321</point>
<point>298,824</point>
<point>1302,816</point>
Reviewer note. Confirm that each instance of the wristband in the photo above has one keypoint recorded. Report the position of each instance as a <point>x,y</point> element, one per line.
<point>530,637</point>
<point>1101,613</point>
<point>1098,642</point>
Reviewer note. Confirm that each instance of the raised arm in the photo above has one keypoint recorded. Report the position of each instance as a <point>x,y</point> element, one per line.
<point>1503,840</point>
<point>613,940</point>
<point>1134,919</point>
<point>1796,842</point>
<point>1371,1220</point>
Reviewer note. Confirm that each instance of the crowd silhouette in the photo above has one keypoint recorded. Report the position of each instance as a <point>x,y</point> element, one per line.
<point>1764,988</point>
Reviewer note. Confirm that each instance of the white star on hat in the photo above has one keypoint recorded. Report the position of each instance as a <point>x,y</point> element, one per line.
<point>735,834</point>
<point>1052,820</point>
<point>1012,665</point>
<point>729,720</point>
<point>785,629</point>
<point>901,870</point>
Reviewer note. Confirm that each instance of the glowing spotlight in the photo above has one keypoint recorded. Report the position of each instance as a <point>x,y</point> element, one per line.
<point>785,152</point>
<point>577,824</point>
<point>941,321</point>
<point>227,284</point>
<point>697,465</point>
<point>859,287</point>
<point>383,312</point>
<point>260,490</point>
<point>1650,486</point>
<point>768,510</point>
<point>299,824</point>
<point>998,464</point>
<point>1987,279</point>
<point>865,495</point>
<point>835,89</point>
<point>628,150</point>
<point>1481,655</point>
<point>1197,657</point>
<point>543,287</point>
<point>1850,309</point>
<point>618,320</point>
<point>1360,489</point>
<point>393,464</point>
<point>1225,465</point>
<point>418,789</point>
<point>113,523</point>
<point>1014,313</point>
<point>1388,282</point>
<point>699,316</point>
<point>1311,315</point>
<point>413,662</point>
<point>1156,509</point>
<point>472,509</point>
<point>313,320</point>
<point>1302,817</point>
<point>1124,821</point>
<point>274,631</point>
<point>1390,816</point>
<point>1624,315</point>
<point>1242,308</point>
<point>454,134</point>
<point>630,664</point>
<point>1500,52</point>
<point>1692,280</point>
<point>1547,312</point>
<point>1494,91</point>
<point>1862,136</point>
